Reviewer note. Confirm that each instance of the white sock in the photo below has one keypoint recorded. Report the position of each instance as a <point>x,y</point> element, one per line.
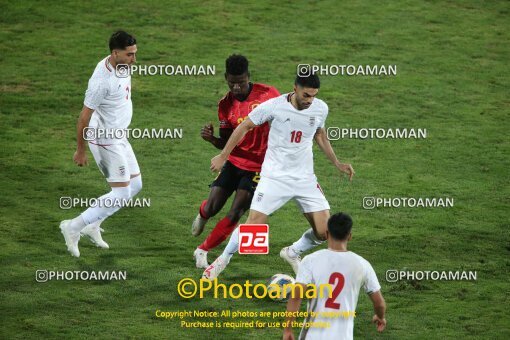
<point>100,212</point>
<point>232,246</point>
<point>77,224</point>
<point>135,185</point>
<point>307,241</point>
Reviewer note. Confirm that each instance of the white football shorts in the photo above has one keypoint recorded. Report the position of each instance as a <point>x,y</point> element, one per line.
<point>272,194</point>
<point>117,162</point>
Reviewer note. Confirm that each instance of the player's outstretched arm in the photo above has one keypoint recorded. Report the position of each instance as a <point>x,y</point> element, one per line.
<point>380,310</point>
<point>323,142</point>
<point>80,156</point>
<point>238,134</point>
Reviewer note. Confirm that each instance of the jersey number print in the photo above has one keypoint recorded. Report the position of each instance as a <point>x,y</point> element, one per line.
<point>337,281</point>
<point>295,136</point>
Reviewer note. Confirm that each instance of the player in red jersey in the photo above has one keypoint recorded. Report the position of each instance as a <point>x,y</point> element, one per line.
<point>241,172</point>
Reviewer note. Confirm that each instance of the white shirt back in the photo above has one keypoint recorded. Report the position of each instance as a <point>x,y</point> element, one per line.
<point>289,152</point>
<point>347,273</point>
<point>110,98</point>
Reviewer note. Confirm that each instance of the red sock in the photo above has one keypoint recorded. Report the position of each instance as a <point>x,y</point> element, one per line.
<point>201,210</point>
<point>221,231</point>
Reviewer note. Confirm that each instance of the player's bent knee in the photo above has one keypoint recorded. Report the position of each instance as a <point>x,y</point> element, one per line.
<point>122,193</point>
<point>211,209</point>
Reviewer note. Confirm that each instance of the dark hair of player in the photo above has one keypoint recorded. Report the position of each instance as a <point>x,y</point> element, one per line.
<point>120,40</point>
<point>236,65</point>
<point>339,226</point>
<point>311,81</point>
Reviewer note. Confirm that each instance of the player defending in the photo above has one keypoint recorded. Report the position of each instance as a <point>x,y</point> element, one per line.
<point>241,172</point>
<point>297,119</point>
<point>347,272</point>
<point>107,107</point>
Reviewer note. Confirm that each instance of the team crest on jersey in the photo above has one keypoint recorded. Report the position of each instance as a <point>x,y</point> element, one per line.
<point>254,105</point>
<point>312,121</point>
<point>259,196</point>
<point>122,170</point>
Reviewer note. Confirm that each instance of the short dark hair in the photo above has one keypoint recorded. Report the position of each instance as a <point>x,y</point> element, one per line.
<point>236,65</point>
<point>120,40</point>
<point>339,226</point>
<point>311,81</point>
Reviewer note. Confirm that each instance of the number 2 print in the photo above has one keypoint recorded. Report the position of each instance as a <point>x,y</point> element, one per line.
<point>337,281</point>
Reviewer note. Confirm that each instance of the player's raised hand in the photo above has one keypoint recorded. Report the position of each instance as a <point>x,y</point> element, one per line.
<point>207,132</point>
<point>80,158</point>
<point>347,168</point>
<point>380,323</point>
<point>217,162</point>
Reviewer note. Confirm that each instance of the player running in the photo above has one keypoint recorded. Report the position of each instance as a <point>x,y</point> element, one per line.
<point>107,108</point>
<point>346,272</point>
<point>296,119</point>
<point>240,173</point>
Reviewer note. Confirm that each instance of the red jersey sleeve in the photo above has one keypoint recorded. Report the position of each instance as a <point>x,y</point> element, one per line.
<point>223,112</point>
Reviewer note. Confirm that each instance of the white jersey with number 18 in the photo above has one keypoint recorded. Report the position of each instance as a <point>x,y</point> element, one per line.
<point>346,272</point>
<point>289,149</point>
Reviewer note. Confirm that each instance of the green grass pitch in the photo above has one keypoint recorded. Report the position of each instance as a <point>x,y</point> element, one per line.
<point>453,80</point>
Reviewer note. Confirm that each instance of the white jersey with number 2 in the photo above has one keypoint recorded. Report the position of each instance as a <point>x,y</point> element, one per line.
<point>347,273</point>
<point>110,98</point>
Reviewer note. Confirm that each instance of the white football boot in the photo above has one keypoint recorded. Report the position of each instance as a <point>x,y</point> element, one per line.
<point>215,268</point>
<point>291,257</point>
<point>200,257</point>
<point>93,232</point>
<point>198,225</point>
<point>70,237</point>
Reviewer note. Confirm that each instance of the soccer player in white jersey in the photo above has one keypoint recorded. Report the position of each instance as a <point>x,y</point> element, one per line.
<point>106,112</point>
<point>297,119</point>
<point>347,273</point>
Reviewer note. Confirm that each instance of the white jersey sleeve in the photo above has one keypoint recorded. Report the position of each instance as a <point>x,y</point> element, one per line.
<point>370,282</point>
<point>326,112</point>
<point>97,91</point>
<point>263,113</point>
<point>304,274</point>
